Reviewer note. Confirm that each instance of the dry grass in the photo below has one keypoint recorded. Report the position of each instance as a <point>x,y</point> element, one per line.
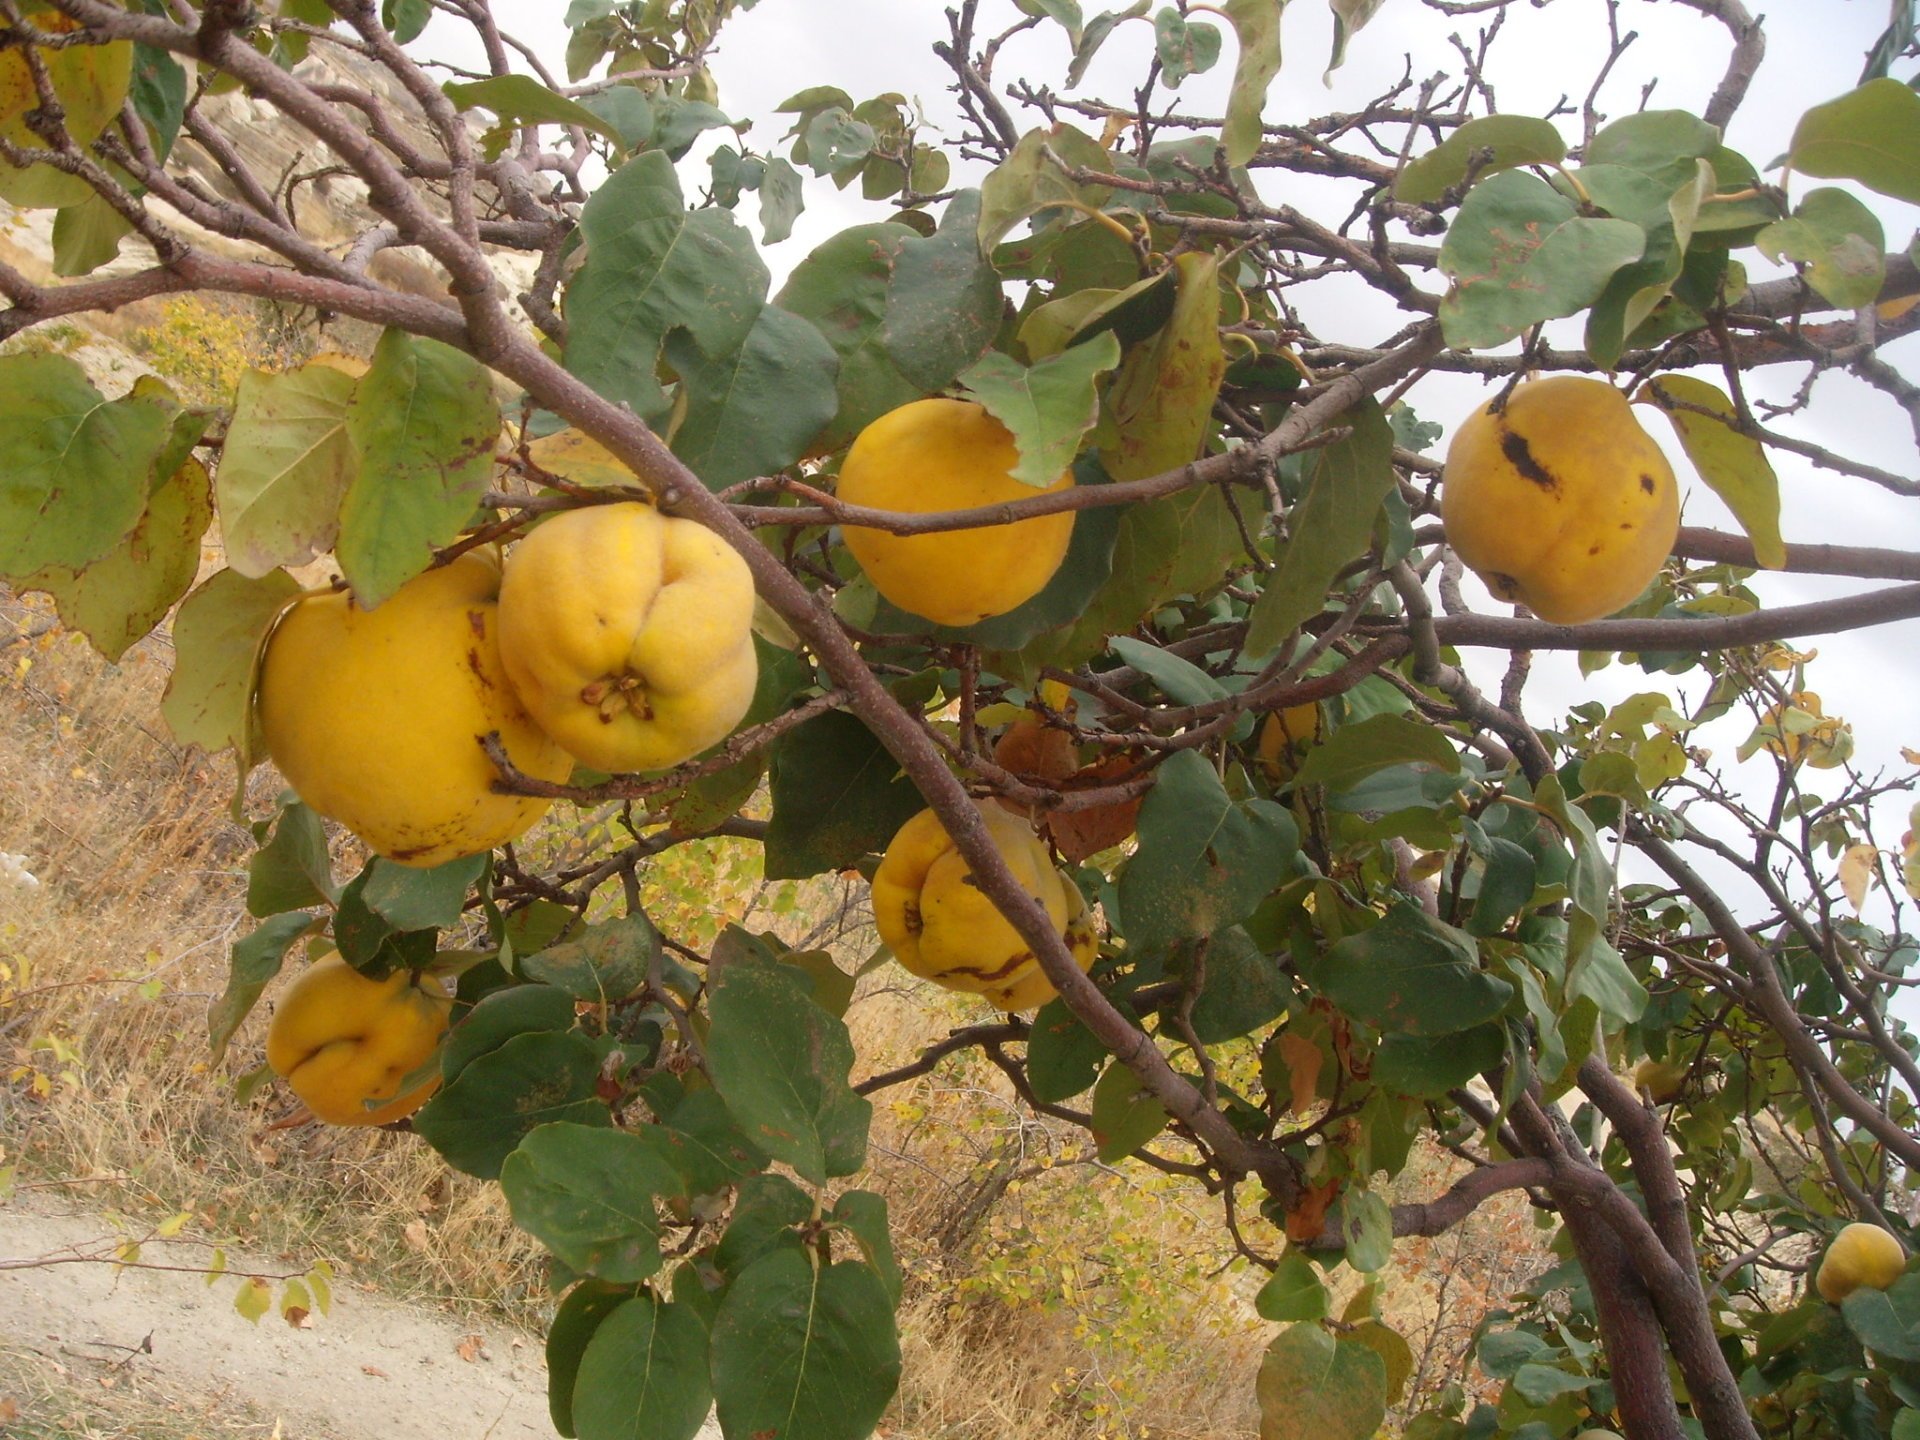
<point>44,1396</point>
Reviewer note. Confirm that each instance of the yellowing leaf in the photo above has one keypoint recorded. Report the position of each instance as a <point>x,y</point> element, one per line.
<point>255,1299</point>
<point>1303,1060</point>
<point>1733,464</point>
<point>1856,873</point>
<point>173,1224</point>
<point>579,458</point>
<point>1910,854</point>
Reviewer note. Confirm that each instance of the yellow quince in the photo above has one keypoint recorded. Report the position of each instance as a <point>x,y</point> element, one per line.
<point>376,716</point>
<point>1861,1254</point>
<point>628,635</point>
<point>940,926</point>
<point>1283,734</point>
<point>1559,500</point>
<point>344,1042</point>
<point>935,455</point>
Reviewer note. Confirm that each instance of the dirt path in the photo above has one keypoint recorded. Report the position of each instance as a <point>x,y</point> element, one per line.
<point>374,1369</point>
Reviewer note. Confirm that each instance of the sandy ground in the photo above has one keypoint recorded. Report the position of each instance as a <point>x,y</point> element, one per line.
<point>373,1369</point>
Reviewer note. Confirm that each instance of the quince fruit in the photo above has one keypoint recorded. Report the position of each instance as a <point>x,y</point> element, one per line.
<point>1659,1080</point>
<point>940,926</point>
<point>935,455</point>
<point>1861,1254</point>
<point>1560,501</point>
<point>1283,734</point>
<point>628,635</point>
<point>375,716</point>
<point>344,1042</point>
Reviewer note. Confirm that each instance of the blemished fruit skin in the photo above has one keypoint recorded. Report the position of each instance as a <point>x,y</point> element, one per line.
<point>628,635</point>
<point>376,716</point>
<point>934,455</point>
<point>1560,502</point>
<point>940,926</point>
<point>344,1043</point>
<point>1861,1254</point>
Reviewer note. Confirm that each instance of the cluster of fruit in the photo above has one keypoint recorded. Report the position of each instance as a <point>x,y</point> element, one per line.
<point>613,636</point>
<point>619,638</point>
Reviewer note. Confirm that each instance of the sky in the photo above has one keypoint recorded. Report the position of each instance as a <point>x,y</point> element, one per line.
<point>1815,51</point>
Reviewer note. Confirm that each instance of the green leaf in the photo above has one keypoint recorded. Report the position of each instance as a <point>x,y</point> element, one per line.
<point>256,960</point>
<point>1366,1229</point>
<point>1177,546</point>
<point>291,871</point>
<point>1427,1068</point>
<point>1348,17</point>
<point>79,468</point>
<point>1594,967</point>
<point>943,300</point>
<point>1519,253</point>
<point>87,235</point>
<point>410,898</point>
<point>1032,179</point>
<point>706,1144</point>
<point>1840,242</point>
<point>522,100</point>
<point>1314,1387</point>
<point>1871,134</point>
<point>1256,25</point>
<point>1543,1384</point>
<point>1506,886</point>
<point>1734,465</point>
<point>1513,140</point>
<point>803,1350</point>
<point>1662,144</point>
<point>643,1375</point>
<point>574,1324</point>
<point>678,123</point>
<point>864,1216</point>
<point>780,201</point>
<point>423,422</point>
<point>1635,291</point>
<point>587,1193</point>
<point>654,266</point>
<point>604,963</point>
<point>405,19</point>
<point>843,288</point>
<point>1293,1292</point>
<point>216,637</point>
<point>629,112</point>
<point>835,142</point>
<point>120,595</point>
<point>518,1010</point>
<point>837,795</point>
<point>765,1213</point>
<point>1094,33</point>
<point>1204,861</point>
<point>1125,1115</point>
<point>1244,989</point>
<point>1063,1057</point>
<point>1047,407</point>
<point>781,1063</point>
<point>1066,13</point>
<point>159,95</point>
<point>753,411</point>
<point>1184,47</point>
<point>286,467</point>
<point>1332,524</point>
<point>1180,680</point>
<point>1160,406</point>
<point>478,1117</point>
<point>1411,974</point>
<point>1354,751</point>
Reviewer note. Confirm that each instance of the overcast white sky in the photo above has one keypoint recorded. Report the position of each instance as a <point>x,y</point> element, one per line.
<point>1815,51</point>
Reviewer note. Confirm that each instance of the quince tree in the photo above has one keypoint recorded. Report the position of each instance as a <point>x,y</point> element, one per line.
<point>1108,416</point>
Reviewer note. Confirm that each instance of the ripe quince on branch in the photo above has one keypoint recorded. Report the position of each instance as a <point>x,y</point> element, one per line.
<point>1861,1254</point>
<point>934,455</point>
<point>375,716</point>
<point>941,926</point>
<point>628,635</point>
<point>1559,500</point>
<point>344,1042</point>
<point>1283,735</point>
